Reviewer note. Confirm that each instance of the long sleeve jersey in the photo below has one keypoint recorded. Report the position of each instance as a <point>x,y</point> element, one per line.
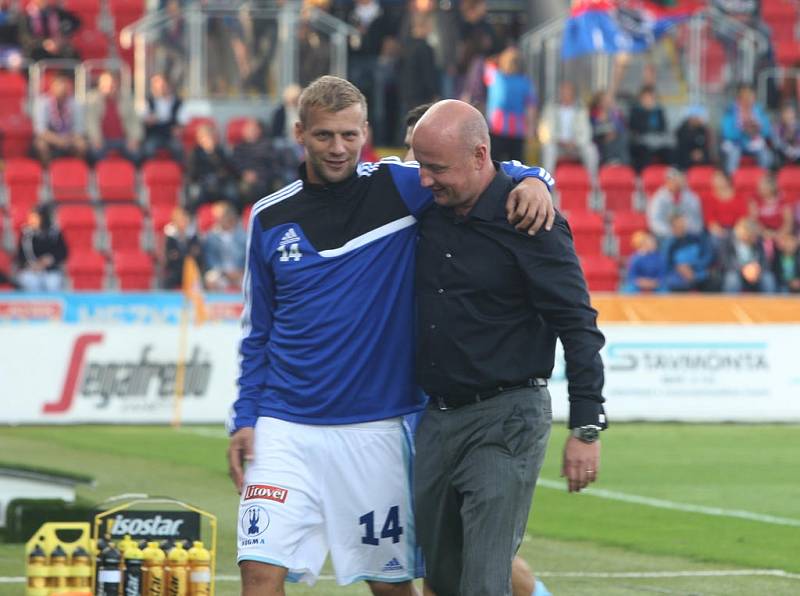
<point>328,319</point>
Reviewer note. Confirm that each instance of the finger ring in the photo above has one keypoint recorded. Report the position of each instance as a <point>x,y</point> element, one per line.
<point>589,471</point>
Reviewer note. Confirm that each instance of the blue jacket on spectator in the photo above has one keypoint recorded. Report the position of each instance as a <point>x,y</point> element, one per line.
<point>695,250</point>
<point>732,130</point>
<point>648,265</point>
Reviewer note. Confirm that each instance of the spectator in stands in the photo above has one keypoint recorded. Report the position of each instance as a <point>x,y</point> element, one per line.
<point>211,173</point>
<point>745,264</point>
<point>418,78</point>
<point>649,135</point>
<point>41,252</point>
<point>286,115</point>
<point>180,241</point>
<point>468,74</point>
<point>787,263</point>
<point>647,267</point>
<point>11,31</point>
<point>370,64</point>
<point>745,130</point>
<point>694,139</point>
<point>170,50</point>
<point>608,129</point>
<point>723,207</point>
<point>674,197</point>
<point>262,167</point>
<point>768,208</point>
<point>224,250</point>
<point>58,122</point>
<point>511,105</point>
<point>48,30</point>
<point>565,132</point>
<point>786,138</point>
<point>111,121</point>
<point>162,119</point>
<point>690,258</point>
<point>314,53</point>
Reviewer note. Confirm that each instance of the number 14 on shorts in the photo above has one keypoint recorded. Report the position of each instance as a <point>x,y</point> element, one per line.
<point>391,527</point>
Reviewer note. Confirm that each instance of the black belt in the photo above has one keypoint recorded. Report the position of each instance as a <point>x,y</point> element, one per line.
<point>453,402</point>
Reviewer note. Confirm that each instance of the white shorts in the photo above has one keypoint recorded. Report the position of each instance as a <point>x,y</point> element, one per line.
<point>341,488</point>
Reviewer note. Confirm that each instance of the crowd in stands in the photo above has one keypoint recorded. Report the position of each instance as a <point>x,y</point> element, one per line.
<point>655,205</point>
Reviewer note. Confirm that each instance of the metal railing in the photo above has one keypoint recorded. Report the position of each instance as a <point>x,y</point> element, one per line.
<point>215,42</point>
<point>542,49</point>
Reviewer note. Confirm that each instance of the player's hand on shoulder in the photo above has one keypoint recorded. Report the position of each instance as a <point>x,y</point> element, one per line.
<point>530,206</point>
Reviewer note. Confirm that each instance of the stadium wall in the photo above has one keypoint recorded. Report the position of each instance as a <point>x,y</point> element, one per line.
<point>113,358</point>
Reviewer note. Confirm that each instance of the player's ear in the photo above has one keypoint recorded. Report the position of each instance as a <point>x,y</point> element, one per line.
<point>299,129</point>
<point>481,155</point>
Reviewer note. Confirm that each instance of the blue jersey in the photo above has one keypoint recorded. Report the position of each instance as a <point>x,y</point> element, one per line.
<point>328,320</point>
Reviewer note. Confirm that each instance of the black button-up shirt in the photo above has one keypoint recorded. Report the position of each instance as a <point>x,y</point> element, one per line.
<point>492,301</point>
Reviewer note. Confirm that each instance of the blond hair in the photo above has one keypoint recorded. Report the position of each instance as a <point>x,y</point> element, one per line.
<point>332,94</point>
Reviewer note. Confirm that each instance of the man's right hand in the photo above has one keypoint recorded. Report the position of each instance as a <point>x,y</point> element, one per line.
<point>240,451</point>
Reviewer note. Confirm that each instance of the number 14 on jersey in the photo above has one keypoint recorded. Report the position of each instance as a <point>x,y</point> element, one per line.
<point>291,253</point>
<point>391,527</point>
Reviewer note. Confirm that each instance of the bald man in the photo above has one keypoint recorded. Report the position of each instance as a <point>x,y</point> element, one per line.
<point>490,304</point>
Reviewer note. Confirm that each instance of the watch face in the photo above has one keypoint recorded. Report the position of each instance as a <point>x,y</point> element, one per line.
<point>588,434</point>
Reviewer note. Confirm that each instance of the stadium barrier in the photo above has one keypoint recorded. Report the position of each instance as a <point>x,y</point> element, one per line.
<point>113,358</point>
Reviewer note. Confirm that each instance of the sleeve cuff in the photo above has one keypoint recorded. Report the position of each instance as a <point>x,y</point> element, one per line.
<point>585,412</point>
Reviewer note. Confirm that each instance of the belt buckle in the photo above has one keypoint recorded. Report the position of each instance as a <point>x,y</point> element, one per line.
<point>441,405</point>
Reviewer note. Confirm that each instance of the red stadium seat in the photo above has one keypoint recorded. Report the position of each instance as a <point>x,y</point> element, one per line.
<point>5,267</point>
<point>163,180</point>
<point>86,10</point>
<point>788,182</point>
<point>781,16</point>
<point>78,224</point>
<point>13,92</point>
<point>699,179</point>
<point>18,217</point>
<point>573,185</point>
<point>787,53</point>
<point>116,180</point>
<point>234,131</point>
<point>16,134</point>
<point>124,224</point>
<point>69,179</point>
<point>618,183</point>
<point>134,270</point>
<point>205,217</point>
<point>625,224</point>
<point>746,179</point>
<point>602,273</point>
<point>190,131</point>
<point>86,270</point>
<point>91,44</point>
<point>653,177</point>
<point>125,12</point>
<point>160,216</point>
<point>246,216</point>
<point>22,177</point>
<point>716,63</point>
<point>587,230</point>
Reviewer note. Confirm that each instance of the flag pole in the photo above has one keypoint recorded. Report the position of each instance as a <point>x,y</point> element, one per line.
<point>192,297</point>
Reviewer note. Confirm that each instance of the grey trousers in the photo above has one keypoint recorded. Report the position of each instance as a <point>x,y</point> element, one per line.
<point>474,475</point>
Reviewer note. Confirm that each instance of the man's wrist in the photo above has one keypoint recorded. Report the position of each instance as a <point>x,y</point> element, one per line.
<point>588,433</point>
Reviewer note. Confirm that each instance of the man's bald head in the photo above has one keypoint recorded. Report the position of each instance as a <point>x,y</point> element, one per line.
<point>451,144</point>
<point>457,122</point>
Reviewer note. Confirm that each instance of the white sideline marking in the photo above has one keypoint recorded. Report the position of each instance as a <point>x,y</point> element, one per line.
<point>213,433</point>
<point>675,506</point>
<point>578,574</point>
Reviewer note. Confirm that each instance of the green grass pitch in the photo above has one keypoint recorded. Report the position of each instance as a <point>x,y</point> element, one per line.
<point>680,509</point>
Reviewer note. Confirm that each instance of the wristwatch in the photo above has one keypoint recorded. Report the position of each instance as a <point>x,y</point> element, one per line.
<point>588,433</point>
